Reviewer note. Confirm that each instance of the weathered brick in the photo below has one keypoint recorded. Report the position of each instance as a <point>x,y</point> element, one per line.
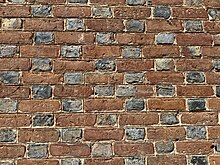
<point>41,92</point>
<point>135,133</point>
<point>159,25</point>
<point>165,38</point>
<point>103,12</point>
<point>8,106</point>
<point>135,39</point>
<point>131,52</point>
<point>105,38</point>
<point>14,92</point>
<point>11,24</point>
<point>71,51</point>
<point>12,64</point>
<point>135,160</point>
<point>15,11</point>
<point>165,90</point>
<point>194,3</point>
<point>41,64</point>
<point>195,77</point>
<point>164,146</point>
<point>199,160</point>
<point>8,51</point>
<point>134,77</point>
<point>77,1</point>
<point>68,161</point>
<point>43,120</point>
<point>162,12</point>
<point>213,132</point>
<point>196,132</point>
<point>71,135</point>
<point>135,104</point>
<point>72,105</point>
<point>169,118</point>
<point>73,78</point>
<point>75,24</point>
<point>136,2</point>
<point>135,26</point>
<point>193,26</point>
<point>194,39</point>
<point>196,105</point>
<point>9,77</point>
<point>7,135</point>
<point>132,12</point>
<point>195,90</point>
<point>113,161</point>
<point>214,14</point>
<point>37,150</point>
<point>44,37</point>
<point>160,51</point>
<point>164,64</point>
<point>105,64</point>
<point>102,150</point>
<point>104,90</point>
<point>41,11</point>
<point>106,119</point>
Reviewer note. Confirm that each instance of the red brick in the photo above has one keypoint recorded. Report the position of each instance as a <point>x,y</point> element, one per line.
<point>209,52</point>
<point>15,120</point>
<point>143,91</point>
<point>79,150</point>
<point>134,65</point>
<point>195,90</point>
<point>75,120</point>
<point>114,161</point>
<point>71,11</point>
<point>12,151</point>
<point>135,39</point>
<point>213,103</point>
<point>164,25</point>
<point>111,25</point>
<point>212,3</point>
<point>74,38</point>
<point>15,64</point>
<point>13,37</point>
<point>214,160</point>
<point>138,119</point>
<point>37,162</point>
<point>15,11</point>
<point>168,160</point>
<point>102,134</point>
<point>214,132</point>
<point>194,147</point>
<point>169,133</point>
<point>133,149</point>
<point>103,105</point>
<point>165,77</point>
<point>167,2</point>
<point>194,39</point>
<point>43,24</point>
<point>166,104</point>
<point>39,135</point>
<point>213,77</point>
<point>109,2</point>
<point>132,12</point>
<point>200,118</point>
<point>161,51</point>
<point>105,78</point>
<point>14,92</point>
<point>46,2</point>
<point>212,26</point>
<point>197,65</point>
<point>185,13</point>
<point>73,91</point>
<point>39,106</point>
<point>39,51</point>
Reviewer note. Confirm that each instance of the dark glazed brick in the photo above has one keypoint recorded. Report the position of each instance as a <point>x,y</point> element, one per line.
<point>71,135</point>
<point>68,161</point>
<point>104,90</point>
<point>134,161</point>
<point>103,12</point>
<point>41,91</point>
<point>105,38</point>
<point>196,105</point>
<point>135,104</point>
<point>164,147</point>
<point>78,1</point>
<point>75,24</point>
<point>37,151</point>
<point>106,119</point>
<point>126,90</point>
<point>195,77</point>
<point>73,78</point>
<point>105,64</point>
<point>44,37</point>
<point>41,11</point>
<point>214,14</point>
<point>135,133</point>
<point>136,2</point>
<point>199,160</point>
<point>193,26</point>
<point>8,51</point>
<point>218,91</point>
<point>196,132</point>
<point>194,3</point>
<point>7,135</point>
<point>41,64</point>
<point>71,51</point>
<point>134,78</point>
<point>169,118</point>
<point>72,105</point>
<point>135,26</point>
<point>8,106</point>
<point>131,52</point>
<point>162,12</point>
<point>43,120</point>
<point>165,90</point>
<point>9,77</point>
<point>217,65</point>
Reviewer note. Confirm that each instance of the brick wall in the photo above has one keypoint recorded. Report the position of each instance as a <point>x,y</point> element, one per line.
<point>109,82</point>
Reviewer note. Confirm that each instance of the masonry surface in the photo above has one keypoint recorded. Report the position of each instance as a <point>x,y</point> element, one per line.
<point>109,82</point>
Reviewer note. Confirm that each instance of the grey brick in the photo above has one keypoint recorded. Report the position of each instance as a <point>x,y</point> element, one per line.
<point>101,90</point>
<point>8,162</point>
<point>73,78</point>
<point>71,135</point>
<point>165,38</point>
<point>9,77</point>
<point>11,23</point>
<point>164,146</point>
<point>41,91</point>
<point>8,106</point>
<point>7,135</point>
<point>131,52</point>
<point>68,161</point>
<point>217,65</point>
<point>135,26</point>
<point>105,64</point>
<point>78,1</point>
<point>37,151</point>
<point>169,118</point>
<point>134,78</point>
<point>75,24</point>
<point>105,38</point>
<point>135,133</point>
<point>199,160</point>
<point>217,148</point>
<point>196,104</point>
<point>104,12</point>
<point>41,64</point>
<point>194,2</point>
<point>41,11</point>
<point>134,161</point>
<point>16,1</point>
<point>106,119</point>
<point>195,77</point>
<point>164,64</point>
<point>136,2</point>
<point>196,132</point>
<point>8,51</point>
<point>101,150</point>
<point>43,120</point>
<point>71,51</point>
<point>44,37</point>
<point>72,105</point>
<point>126,90</point>
<point>214,14</point>
<point>193,26</point>
<point>165,90</point>
<point>135,104</point>
<point>162,12</point>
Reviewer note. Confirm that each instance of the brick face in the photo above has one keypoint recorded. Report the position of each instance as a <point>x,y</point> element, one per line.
<point>113,82</point>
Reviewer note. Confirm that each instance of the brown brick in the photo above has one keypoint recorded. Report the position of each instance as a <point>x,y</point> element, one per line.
<point>214,160</point>
<point>165,77</point>
<point>197,65</point>
<point>213,77</point>
<point>214,132</point>
<point>39,51</point>
<point>186,13</point>
<point>164,25</point>
<point>75,120</point>
<point>74,38</point>
<point>41,78</point>
<point>114,161</point>
<point>138,119</point>
<point>100,134</point>
<point>132,12</point>
<point>171,160</point>
<point>43,24</point>
<point>39,135</point>
<point>37,162</point>
<point>198,118</point>
<point>14,92</point>
<point>195,90</point>
<point>161,51</point>
<point>133,149</point>
<point>109,2</point>
<point>211,26</point>
<point>212,3</point>
<point>211,51</point>
<point>15,64</point>
<point>79,150</point>
<point>169,133</point>
<point>111,25</point>
<point>15,11</point>
<point>166,104</point>
<point>103,105</point>
<point>134,65</point>
<point>13,37</point>
<point>194,147</point>
<point>213,104</point>
<point>95,51</point>
<point>39,106</point>
<point>15,120</point>
<point>71,11</point>
<point>12,151</point>
<point>167,2</point>
<point>194,39</point>
<point>143,91</point>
